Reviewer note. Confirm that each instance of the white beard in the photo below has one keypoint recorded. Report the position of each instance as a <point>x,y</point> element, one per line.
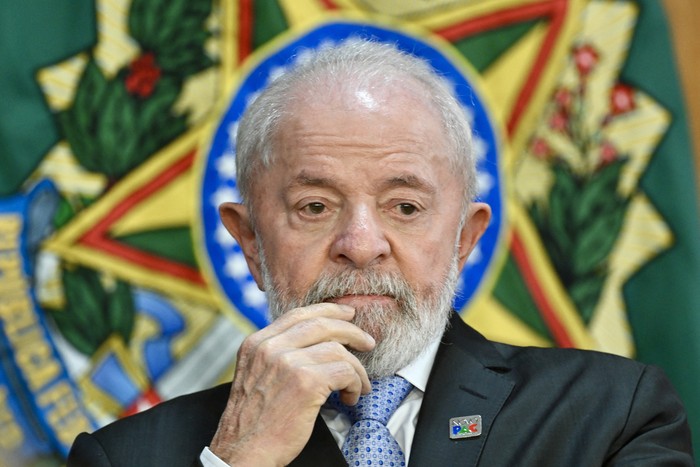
<point>402,330</point>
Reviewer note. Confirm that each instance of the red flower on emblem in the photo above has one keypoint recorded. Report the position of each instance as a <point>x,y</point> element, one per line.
<point>540,148</point>
<point>143,75</point>
<point>621,99</point>
<point>559,121</point>
<point>608,153</point>
<point>564,98</point>
<point>585,57</point>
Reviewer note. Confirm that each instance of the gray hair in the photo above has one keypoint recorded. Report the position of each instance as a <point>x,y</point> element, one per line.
<point>351,63</point>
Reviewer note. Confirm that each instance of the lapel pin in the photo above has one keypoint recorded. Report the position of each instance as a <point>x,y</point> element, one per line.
<point>465,427</point>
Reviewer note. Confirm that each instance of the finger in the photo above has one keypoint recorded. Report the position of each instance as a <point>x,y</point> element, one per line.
<point>309,342</point>
<point>294,316</point>
<point>329,353</point>
<point>343,377</point>
<point>289,319</point>
<point>350,394</point>
<point>309,374</point>
<point>349,386</point>
<point>316,330</point>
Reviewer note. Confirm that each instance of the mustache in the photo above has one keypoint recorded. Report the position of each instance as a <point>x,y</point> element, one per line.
<point>360,282</point>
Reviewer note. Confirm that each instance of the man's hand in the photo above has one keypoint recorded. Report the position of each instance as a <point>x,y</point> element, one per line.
<point>284,374</point>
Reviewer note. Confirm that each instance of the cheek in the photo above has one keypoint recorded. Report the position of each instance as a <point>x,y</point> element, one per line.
<point>425,267</point>
<point>294,264</point>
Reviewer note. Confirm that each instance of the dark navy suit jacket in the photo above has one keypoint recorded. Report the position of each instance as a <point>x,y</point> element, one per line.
<point>539,407</point>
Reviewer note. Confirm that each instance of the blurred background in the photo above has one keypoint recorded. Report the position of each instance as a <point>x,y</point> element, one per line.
<point>683,18</point>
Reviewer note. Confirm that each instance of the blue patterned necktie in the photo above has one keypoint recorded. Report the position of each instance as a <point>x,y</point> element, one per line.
<point>369,441</point>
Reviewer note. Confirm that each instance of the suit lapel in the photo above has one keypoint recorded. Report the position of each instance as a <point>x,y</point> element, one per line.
<point>469,377</point>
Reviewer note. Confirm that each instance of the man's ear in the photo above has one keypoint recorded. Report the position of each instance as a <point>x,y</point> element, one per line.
<point>476,223</point>
<point>236,219</point>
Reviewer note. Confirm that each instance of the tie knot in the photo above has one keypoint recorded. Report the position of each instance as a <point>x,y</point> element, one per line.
<point>384,398</point>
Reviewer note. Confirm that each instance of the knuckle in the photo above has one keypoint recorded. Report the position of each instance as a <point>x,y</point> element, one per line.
<point>285,360</point>
<point>248,345</point>
<point>314,324</point>
<point>345,368</point>
<point>335,348</point>
<point>304,379</point>
<point>265,349</point>
<point>301,313</point>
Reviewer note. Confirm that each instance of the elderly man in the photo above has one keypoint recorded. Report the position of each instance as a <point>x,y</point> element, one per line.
<point>356,173</point>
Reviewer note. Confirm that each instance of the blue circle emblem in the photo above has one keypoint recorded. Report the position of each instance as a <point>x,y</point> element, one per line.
<point>219,181</point>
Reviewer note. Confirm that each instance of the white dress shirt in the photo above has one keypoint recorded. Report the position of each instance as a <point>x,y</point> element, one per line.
<point>401,425</point>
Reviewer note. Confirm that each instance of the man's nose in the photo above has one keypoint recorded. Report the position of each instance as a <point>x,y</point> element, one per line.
<point>361,239</point>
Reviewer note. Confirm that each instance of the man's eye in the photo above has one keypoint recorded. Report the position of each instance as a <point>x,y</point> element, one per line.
<point>407,209</point>
<point>315,208</point>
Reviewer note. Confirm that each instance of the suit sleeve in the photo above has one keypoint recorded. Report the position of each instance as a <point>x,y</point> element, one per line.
<point>657,432</point>
<point>87,452</point>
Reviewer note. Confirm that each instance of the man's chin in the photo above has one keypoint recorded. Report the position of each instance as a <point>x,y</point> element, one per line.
<point>376,318</point>
<point>377,332</point>
<point>377,365</point>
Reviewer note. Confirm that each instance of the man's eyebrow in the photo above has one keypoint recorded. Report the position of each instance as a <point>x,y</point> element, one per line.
<point>304,179</point>
<point>410,181</point>
<point>400,181</point>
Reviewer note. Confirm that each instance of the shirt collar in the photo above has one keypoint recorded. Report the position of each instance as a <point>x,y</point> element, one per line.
<point>418,371</point>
